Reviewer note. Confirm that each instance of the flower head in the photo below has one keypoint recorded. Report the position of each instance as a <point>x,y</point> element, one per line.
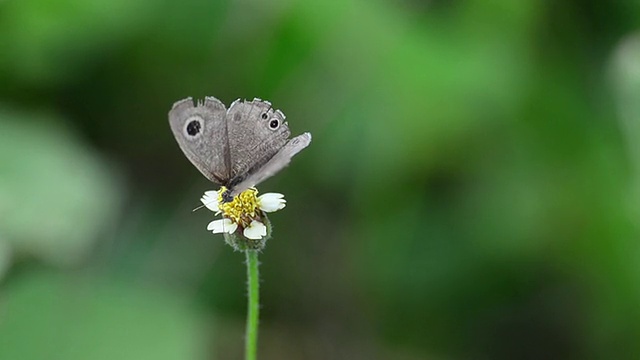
<point>246,212</point>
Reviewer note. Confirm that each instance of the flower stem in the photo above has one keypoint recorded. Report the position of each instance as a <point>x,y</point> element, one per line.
<point>251,341</point>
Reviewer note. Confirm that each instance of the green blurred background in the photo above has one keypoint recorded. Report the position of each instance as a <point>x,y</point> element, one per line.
<point>472,190</point>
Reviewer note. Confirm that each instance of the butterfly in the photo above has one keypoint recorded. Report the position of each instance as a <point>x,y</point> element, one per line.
<point>237,147</point>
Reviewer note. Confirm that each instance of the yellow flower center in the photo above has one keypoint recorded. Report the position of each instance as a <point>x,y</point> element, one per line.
<point>242,209</point>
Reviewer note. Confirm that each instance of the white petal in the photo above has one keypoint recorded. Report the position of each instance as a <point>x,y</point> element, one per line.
<point>271,202</point>
<point>255,231</point>
<point>222,225</point>
<point>210,200</point>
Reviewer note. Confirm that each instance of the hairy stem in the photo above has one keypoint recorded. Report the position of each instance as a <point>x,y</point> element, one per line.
<point>253,279</point>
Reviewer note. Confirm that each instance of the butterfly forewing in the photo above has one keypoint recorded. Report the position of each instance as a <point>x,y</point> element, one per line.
<point>200,132</point>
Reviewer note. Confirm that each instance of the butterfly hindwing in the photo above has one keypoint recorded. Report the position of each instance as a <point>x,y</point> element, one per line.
<point>256,132</point>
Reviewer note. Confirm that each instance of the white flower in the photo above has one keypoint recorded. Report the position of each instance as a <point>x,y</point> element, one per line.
<point>222,226</point>
<point>255,231</point>
<point>271,202</point>
<point>245,211</point>
<point>210,200</point>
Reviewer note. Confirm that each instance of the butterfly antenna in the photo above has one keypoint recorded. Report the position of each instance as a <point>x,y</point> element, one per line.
<point>203,205</point>
<point>198,208</point>
<point>268,103</point>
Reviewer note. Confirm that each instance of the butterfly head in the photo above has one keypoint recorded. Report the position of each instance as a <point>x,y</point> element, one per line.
<point>226,196</point>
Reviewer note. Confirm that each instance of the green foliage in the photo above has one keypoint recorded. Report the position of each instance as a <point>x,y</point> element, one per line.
<point>54,317</point>
<point>56,194</point>
<point>471,190</point>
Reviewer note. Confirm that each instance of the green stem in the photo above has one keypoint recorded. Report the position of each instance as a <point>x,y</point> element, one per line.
<point>251,341</point>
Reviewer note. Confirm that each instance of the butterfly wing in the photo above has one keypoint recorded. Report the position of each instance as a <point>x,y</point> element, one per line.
<point>200,131</point>
<point>276,163</point>
<point>256,133</point>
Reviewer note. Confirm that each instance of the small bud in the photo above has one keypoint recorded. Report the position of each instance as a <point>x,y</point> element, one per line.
<point>239,242</point>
